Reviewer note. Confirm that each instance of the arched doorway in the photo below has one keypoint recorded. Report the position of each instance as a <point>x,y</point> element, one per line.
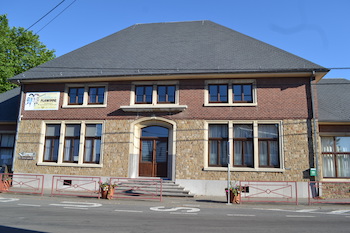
<point>153,161</point>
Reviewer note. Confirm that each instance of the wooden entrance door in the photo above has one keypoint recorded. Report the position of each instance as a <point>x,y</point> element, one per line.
<point>154,152</point>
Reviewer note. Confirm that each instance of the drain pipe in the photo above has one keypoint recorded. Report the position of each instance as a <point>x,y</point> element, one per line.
<point>314,126</point>
<point>19,118</point>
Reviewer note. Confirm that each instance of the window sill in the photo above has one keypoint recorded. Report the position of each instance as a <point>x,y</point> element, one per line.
<point>230,105</point>
<point>69,164</point>
<point>154,108</point>
<point>85,106</point>
<point>243,169</point>
<point>342,179</point>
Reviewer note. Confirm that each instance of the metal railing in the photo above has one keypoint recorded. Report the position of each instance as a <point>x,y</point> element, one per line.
<point>75,186</point>
<point>269,191</point>
<point>22,183</point>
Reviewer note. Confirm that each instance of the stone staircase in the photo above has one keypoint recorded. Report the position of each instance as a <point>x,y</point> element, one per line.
<point>169,188</point>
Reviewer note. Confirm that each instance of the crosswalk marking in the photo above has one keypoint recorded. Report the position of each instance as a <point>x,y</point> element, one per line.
<point>305,210</point>
<point>339,212</point>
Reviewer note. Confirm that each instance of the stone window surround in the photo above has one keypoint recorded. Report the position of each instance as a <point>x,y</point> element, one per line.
<point>230,82</point>
<point>86,96</point>
<point>256,167</point>
<point>61,145</point>
<point>154,106</point>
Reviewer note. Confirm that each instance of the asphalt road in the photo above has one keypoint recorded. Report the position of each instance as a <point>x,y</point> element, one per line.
<point>30,214</point>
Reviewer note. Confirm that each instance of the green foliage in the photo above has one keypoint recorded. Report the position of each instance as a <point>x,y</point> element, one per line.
<point>20,50</point>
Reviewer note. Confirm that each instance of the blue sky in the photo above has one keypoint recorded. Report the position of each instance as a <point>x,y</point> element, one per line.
<point>317,30</point>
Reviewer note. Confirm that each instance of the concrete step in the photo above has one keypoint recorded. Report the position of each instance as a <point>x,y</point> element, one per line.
<point>169,188</point>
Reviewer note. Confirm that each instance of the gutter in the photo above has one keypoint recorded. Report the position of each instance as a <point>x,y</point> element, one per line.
<point>314,120</point>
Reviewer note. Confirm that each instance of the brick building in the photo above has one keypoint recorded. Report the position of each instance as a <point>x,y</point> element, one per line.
<point>171,100</point>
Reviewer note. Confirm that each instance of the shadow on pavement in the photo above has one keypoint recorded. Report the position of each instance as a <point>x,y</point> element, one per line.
<point>16,230</point>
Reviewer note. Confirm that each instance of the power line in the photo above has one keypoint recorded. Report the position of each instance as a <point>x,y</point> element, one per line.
<point>56,16</point>
<point>44,15</point>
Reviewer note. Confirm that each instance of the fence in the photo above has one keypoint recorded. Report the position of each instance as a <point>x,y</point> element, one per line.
<point>75,186</point>
<point>138,188</point>
<point>329,192</point>
<point>22,183</point>
<point>269,191</point>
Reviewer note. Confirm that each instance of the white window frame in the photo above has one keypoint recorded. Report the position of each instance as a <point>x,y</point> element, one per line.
<point>255,167</point>
<point>154,106</point>
<point>61,144</point>
<point>230,83</point>
<point>86,96</point>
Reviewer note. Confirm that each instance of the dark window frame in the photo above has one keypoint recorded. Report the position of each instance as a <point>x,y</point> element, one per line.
<point>242,94</point>
<point>220,98</point>
<point>167,101</point>
<point>74,100</point>
<point>144,94</point>
<point>242,140</point>
<point>98,95</point>
<point>219,141</point>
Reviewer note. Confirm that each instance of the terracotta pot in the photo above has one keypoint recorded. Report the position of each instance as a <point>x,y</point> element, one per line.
<point>104,194</point>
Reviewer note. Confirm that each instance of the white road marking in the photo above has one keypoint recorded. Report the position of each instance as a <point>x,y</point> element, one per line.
<point>339,211</point>
<point>3,199</point>
<point>184,213</point>
<point>305,210</point>
<point>241,215</point>
<point>130,211</point>
<point>75,208</point>
<point>78,204</point>
<point>183,209</point>
<point>31,205</point>
<point>299,216</point>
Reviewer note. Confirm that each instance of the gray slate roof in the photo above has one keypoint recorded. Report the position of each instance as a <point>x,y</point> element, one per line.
<point>171,48</point>
<point>9,105</point>
<point>333,100</point>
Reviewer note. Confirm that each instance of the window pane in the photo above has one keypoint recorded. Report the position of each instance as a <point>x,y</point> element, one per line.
<point>161,151</point>
<point>154,131</point>
<point>148,93</point>
<point>248,153</point>
<point>93,130</point>
<point>268,131</point>
<point>72,130</point>
<point>243,131</point>
<point>237,92</point>
<point>328,165</point>
<point>80,95</point>
<point>171,94</point>
<point>223,93</point>
<point>263,153</point>
<point>327,144</point>
<point>343,144</point>
<point>97,151</point>
<point>274,157</point>
<point>238,148</point>
<point>223,153</point>
<point>100,95</point>
<point>213,154</point>
<point>213,93</point>
<point>343,162</point>
<point>247,90</point>
<point>162,94</point>
<point>7,140</point>
<point>53,130</point>
<point>147,149</point>
<point>218,131</point>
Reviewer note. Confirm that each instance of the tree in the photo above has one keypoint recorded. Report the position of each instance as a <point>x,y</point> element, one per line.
<point>20,50</point>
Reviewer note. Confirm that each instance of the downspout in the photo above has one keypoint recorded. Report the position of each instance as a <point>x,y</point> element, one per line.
<point>314,126</point>
<point>19,118</point>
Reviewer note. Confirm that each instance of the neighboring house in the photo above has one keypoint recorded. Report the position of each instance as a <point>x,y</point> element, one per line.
<point>171,100</point>
<point>9,105</point>
<point>334,128</point>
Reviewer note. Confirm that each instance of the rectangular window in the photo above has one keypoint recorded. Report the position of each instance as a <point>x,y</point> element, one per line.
<point>143,94</point>
<point>71,144</point>
<point>7,144</point>
<point>336,157</point>
<point>52,138</point>
<point>92,149</point>
<point>242,93</point>
<point>218,138</point>
<point>96,95</point>
<point>166,94</point>
<point>76,95</point>
<point>243,145</point>
<point>268,146</point>
<point>218,93</point>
